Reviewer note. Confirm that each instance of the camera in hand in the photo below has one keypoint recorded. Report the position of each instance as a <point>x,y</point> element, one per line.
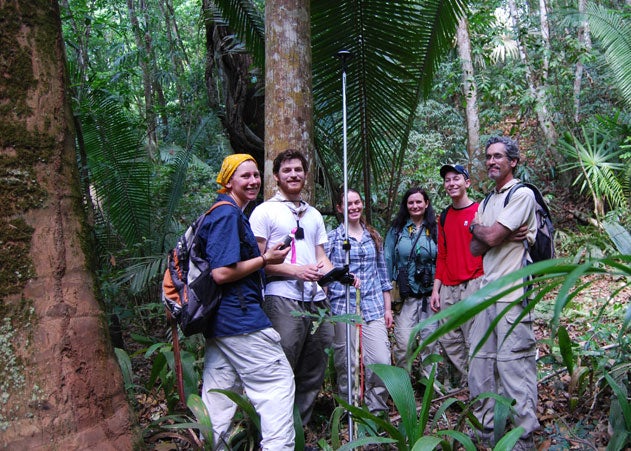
<point>423,276</point>
<point>339,274</point>
<point>286,242</point>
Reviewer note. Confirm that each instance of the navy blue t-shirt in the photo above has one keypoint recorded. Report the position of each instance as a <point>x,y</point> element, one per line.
<point>229,239</point>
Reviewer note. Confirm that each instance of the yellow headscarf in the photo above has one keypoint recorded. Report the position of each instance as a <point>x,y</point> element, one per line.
<point>229,165</point>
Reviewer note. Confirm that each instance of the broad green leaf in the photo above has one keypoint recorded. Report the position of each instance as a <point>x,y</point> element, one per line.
<point>565,346</point>
<point>204,424</point>
<point>507,442</point>
<point>397,381</point>
<point>243,403</point>
<point>461,437</point>
<point>426,443</point>
<point>125,364</point>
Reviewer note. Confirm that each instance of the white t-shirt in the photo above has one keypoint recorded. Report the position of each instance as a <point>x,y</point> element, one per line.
<point>273,220</point>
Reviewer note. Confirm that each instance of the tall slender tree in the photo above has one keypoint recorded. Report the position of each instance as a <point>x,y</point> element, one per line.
<point>585,45</point>
<point>536,84</point>
<point>142,38</point>
<point>470,90</point>
<point>61,385</point>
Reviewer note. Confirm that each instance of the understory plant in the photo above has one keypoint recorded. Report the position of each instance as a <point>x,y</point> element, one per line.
<point>596,160</point>
<point>564,281</point>
<point>415,430</point>
<point>163,374</point>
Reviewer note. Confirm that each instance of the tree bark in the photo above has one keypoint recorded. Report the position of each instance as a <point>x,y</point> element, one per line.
<point>470,89</point>
<point>61,385</point>
<point>143,43</point>
<point>585,43</point>
<point>288,86</point>
<point>545,37</point>
<point>538,88</point>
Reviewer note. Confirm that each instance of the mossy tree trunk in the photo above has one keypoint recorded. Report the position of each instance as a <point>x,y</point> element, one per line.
<point>288,86</point>
<point>61,386</point>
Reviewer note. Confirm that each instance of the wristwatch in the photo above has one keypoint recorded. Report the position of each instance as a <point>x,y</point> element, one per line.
<point>471,227</point>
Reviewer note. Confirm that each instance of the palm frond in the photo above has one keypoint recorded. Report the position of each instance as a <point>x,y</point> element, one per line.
<point>118,167</point>
<point>614,32</point>
<point>246,21</point>
<point>177,162</point>
<point>395,46</point>
<point>547,276</point>
<point>598,164</point>
<point>141,272</point>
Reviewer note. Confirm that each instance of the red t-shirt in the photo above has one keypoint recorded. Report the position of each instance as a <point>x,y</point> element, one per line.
<point>454,263</point>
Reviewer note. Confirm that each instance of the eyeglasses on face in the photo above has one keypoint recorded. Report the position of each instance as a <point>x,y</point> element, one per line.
<point>496,156</point>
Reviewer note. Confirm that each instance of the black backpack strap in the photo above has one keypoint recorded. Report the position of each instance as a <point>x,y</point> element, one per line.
<point>443,218</point>
<point>506,199</point>
<point>524,258</point>
<point>512,190</point>
<point>486,200</point>
<point>539,199</point>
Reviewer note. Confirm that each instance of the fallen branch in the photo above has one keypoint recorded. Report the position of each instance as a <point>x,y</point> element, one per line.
<point>586,219</point>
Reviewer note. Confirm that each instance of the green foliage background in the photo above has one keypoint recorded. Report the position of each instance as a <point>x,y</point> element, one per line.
<point>142,197</point>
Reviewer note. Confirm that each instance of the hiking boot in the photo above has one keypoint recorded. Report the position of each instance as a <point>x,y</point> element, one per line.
<point>525,444</point>
<point>485,437</point>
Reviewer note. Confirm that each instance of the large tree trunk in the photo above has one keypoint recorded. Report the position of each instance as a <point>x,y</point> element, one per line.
<point>61,385</point>
<point>288,86</point>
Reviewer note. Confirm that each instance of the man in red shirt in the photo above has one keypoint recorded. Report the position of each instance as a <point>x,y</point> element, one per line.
<point>458,272</point>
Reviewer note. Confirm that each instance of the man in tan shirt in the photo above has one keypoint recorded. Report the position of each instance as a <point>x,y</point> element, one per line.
<point>506,362</point>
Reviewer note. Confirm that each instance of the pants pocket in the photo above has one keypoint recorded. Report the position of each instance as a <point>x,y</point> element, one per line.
<point>272,335</point>
<point>522,338</point>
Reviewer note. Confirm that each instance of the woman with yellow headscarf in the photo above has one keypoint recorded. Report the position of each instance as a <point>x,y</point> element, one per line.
<point>243,351</point>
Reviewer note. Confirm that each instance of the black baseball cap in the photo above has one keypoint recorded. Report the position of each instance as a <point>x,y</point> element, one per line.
<point>457,168</point>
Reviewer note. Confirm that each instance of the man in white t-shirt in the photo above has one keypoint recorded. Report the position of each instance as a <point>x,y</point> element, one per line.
<point>505,364</point>
<point>292,286</point>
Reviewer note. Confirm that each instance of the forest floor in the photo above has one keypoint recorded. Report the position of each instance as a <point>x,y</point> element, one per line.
<point>573,412</point>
